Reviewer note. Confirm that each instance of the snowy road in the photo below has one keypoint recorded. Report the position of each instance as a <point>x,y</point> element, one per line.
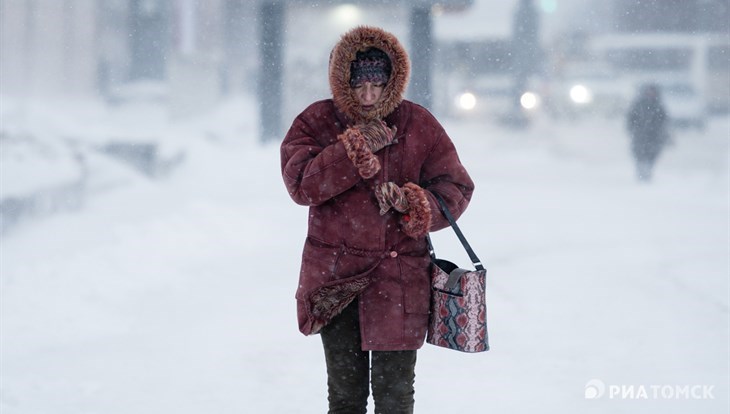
<point>176,296</point>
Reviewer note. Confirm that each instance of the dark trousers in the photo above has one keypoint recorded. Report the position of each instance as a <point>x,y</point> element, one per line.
<point>349,371</point>
<point>644,168</point>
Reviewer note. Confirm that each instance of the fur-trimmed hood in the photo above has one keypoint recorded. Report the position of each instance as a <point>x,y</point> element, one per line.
<point>360,39</point>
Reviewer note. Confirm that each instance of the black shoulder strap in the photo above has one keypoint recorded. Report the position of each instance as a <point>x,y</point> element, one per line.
<point>445,210</point>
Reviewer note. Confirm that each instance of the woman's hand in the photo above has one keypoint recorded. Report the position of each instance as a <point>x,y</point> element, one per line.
<point>377,134</point>
<point>390,195</point>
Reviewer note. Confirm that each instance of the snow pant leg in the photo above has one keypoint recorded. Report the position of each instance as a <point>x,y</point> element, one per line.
<point>348,365</point>
<point>393,373</point>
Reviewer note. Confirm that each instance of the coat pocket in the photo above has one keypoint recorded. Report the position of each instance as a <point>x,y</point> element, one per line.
<point>416,282</point>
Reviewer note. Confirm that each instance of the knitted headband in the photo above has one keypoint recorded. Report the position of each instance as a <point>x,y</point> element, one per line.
<point>372,65</point>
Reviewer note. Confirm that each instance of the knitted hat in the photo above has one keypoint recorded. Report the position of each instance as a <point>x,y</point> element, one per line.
<point>372,65</point>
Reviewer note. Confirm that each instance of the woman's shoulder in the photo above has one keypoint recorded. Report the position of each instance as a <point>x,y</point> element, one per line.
<point>416,116</point>
<point>417,112</point>
<point>317,116</point>
<point>319,108</point>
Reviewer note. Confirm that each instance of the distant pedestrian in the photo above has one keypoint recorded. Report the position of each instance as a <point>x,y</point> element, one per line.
<point>647,125</point>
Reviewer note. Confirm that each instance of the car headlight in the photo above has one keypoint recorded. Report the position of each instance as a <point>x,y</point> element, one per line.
<point>580,94</point>
<point>466,101</point>
<point>529,100</point>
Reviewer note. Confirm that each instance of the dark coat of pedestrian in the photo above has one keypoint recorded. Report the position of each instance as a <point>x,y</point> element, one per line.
<point>647,124</point>
<point>367,163</point>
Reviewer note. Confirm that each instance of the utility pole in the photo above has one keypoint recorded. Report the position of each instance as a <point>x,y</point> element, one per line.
<point>271,17</point>
<point>421,37</point>
<point>527,55</point>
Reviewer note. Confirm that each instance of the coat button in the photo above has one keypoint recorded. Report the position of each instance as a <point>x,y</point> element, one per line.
<point>393,254</point>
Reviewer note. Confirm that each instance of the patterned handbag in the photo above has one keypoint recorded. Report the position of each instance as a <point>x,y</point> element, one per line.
<point>458,318</point>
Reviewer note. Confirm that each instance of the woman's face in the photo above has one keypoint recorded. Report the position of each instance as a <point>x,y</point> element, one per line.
<point>368,93</point>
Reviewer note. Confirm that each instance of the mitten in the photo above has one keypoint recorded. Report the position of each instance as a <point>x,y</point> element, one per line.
<point>417,220</point>
<point>377,134</point>
<point>411,200</point>
<point>390,195</point>
<point>358,151</point>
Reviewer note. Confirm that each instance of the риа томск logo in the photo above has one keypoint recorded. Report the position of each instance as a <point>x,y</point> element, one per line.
<point>595,389</point>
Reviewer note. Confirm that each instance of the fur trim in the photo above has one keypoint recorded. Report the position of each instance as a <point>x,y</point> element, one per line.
<point>328,301</point>
<point>360,39</point>
<point>419,213</point>
<point>359,152</point>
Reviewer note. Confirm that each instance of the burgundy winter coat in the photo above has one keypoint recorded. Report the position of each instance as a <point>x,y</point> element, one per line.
<point>351,250</point>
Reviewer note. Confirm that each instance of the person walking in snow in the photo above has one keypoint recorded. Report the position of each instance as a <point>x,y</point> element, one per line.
<point>367,163</point>
<point>646,122</point>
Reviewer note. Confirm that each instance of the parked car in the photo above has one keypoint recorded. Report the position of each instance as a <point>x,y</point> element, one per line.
<point>587,92</point>
<point>487,96</point>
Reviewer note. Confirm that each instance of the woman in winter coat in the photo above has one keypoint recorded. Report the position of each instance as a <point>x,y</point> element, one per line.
<point>367,163</point>
<point>647,125</point>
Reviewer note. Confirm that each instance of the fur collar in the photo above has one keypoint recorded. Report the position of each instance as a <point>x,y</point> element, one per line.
<point>343,54</point>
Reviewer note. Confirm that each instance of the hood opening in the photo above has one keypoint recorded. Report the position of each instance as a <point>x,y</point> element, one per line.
<point>364,40</point>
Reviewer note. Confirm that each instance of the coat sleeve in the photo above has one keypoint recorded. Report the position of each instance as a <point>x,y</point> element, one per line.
<point>443,174</point>
<point>313,173</point>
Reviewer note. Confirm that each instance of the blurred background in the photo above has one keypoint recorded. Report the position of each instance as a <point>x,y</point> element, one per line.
<point>140,198</point>
<point>496,61</point>
<point>194,54</point>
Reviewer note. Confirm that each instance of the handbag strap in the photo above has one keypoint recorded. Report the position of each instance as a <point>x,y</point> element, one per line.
<point>445,210</point>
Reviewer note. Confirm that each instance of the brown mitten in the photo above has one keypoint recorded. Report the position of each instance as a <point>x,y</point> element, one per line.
<point>377,134</point>
<point>417,220</point>
<point>390,195</point>
<point>411,201</point>
<point>359,152</point>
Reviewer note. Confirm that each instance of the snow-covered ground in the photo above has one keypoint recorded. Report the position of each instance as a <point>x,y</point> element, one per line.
<point>176,295</point>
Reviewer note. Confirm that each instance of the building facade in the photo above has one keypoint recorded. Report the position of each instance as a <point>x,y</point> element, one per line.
<point>95,47</point>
